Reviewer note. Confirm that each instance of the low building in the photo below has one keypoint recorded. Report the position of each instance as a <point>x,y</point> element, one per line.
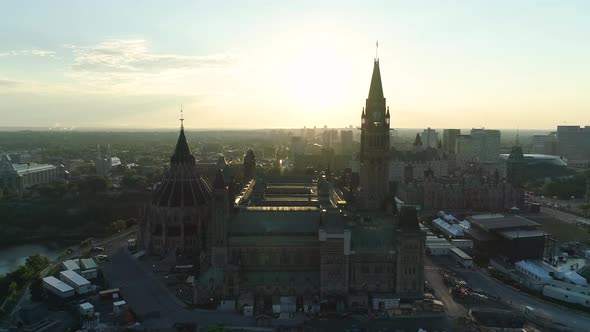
<point>86,309</point>
<point>70,264</point>
<point>462,243</point>
<point>450,230</point>
<point>80,284</point>
<point>567,292</point>
<point>58,287</point>
<point>533,271</point>
<point>17,177</point>
<point>119,307</point>
<point>462,258</point>
<point>89,268</point>
<point>512,237</point>
<point>437,246</point>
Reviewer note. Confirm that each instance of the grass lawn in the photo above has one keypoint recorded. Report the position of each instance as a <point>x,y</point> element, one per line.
<point>562,231</point>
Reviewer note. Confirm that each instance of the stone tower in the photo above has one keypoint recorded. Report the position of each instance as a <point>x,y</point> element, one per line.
<point>178,219</point>
<point>515,167</point>
<point>219,218</point>
<point>249,165</point>
<point>411,246</point>
<point>374,156</point>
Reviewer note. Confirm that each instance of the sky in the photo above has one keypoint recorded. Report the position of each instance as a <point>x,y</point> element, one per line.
<point>288,64</point>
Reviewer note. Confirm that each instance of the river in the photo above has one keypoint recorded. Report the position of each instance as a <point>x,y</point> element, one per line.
<point>12,257</point>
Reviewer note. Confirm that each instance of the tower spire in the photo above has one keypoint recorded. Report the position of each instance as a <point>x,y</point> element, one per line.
<point>377,50</point>
<point>181,118</point>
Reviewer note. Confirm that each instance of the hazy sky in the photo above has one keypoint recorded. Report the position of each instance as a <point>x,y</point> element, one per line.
<point>253,64</point>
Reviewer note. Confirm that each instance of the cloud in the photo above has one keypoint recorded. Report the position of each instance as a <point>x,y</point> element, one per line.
<point>36,52</point>
<point>130,67</point>
<point>133,56</point>
<point>8,83</point>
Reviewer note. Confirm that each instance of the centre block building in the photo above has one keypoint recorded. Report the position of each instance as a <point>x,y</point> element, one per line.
<point>291,235</point>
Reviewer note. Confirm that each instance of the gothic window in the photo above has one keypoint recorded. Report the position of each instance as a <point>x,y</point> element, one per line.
<point>284,257</point>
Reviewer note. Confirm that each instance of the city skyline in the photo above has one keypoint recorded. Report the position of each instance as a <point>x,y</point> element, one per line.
<point>501,65</point>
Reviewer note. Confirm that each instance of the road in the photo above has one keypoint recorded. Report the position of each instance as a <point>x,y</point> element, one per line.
<point>561,215</point>
<point>518,300</point>
<point>155,305</point>
<point>434,278</point>
<point>76,253</point>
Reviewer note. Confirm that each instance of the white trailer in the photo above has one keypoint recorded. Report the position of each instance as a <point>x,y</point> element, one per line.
<point>58,287</point>
<point>71,264</point>
<point>80,284</point>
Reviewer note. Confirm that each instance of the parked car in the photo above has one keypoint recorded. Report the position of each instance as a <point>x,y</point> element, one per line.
<point>101,257</point>
<point>97,249</point>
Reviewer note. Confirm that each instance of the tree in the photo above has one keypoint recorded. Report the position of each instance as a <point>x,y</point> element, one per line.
<point>37,263</point>
<point>118,226</point>
<point>38,293</point>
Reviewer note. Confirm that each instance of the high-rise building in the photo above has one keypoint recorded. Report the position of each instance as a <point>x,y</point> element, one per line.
<point>374,156</point>
<point>429,138</point>
<point>482,145</point>
<point>573,142</point>
<point>449,139</point>
<point>545,144</point>
<point>346,141</point>
<point>298,144</point>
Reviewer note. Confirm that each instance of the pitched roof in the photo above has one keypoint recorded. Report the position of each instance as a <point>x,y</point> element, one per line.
<point>376,89</point>
<point>182,153</point>
<point>182,186</point>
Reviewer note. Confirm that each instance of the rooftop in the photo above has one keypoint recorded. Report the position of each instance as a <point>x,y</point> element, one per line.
<point>275,221</point>
<point>460,253</point>
<point>71,265</point>
<point>57,284</point>
<point>515,234</point>
<point>502,222</point>
<point>74,277</point>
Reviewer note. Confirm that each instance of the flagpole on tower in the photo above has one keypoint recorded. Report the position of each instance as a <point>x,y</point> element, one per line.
<point>181,118</point>
<point>376,50</point>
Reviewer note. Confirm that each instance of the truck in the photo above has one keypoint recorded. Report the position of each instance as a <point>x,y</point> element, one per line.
<point>131,244</point>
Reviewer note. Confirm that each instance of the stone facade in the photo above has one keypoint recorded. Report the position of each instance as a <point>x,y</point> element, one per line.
<point>375,145</point>
<point>288,236</point>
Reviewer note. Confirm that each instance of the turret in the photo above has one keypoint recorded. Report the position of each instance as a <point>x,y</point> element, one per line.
<point>249,165</point>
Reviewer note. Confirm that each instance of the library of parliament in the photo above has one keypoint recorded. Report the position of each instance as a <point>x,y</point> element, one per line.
<point>291,235</point>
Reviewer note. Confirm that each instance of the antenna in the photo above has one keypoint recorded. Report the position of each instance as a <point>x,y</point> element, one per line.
<point>517,142</point>
<point>181,118</point>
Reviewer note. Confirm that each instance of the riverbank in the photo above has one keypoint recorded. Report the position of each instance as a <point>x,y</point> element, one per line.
<point>11,257</point>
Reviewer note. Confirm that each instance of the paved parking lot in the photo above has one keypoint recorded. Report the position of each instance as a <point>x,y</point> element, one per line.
<point>155,306</point>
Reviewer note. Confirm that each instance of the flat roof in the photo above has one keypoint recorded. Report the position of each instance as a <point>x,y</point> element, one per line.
<point>504,222</point>
<point>57,284</point>
<point>75,278</point>
<point>71,264</point>
<point>86,306</point>
<point>460,253</point>
<point>523,233</point>
<point>439,245</point>
<point>275,221</point>
<point>480,234</point>
<point>487,216</point>
<point>88,263</point>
